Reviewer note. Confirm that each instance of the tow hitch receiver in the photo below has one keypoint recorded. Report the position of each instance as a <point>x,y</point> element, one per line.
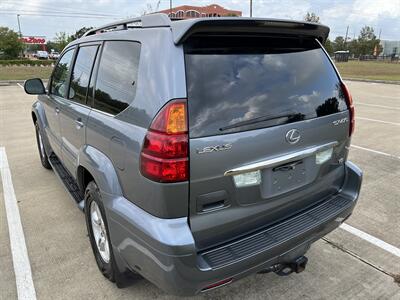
<point>297,266</point>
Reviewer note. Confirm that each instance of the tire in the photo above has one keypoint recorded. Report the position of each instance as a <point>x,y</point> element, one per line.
<point>98,230</point>
<point>44,159</point>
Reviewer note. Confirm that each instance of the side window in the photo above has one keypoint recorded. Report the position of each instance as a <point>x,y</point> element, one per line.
<point>116,77</point>
<point>59,80</point>
<point>81,73</point>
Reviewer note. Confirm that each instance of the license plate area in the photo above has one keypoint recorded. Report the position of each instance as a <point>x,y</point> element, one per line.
<point>287,177</point>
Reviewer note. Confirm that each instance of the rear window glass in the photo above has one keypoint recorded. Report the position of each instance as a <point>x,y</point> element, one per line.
<point>244,83</point>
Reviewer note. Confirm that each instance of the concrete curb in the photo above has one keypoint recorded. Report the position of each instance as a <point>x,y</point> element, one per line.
<point>7,82</point>
<point>371,80</point>
<point>11,81</point>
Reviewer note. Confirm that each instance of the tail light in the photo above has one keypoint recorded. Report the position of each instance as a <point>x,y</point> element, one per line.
<point>164,156</point>
<point>350,105</point>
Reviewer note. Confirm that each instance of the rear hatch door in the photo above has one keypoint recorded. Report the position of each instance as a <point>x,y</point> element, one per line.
<point>268,128</point>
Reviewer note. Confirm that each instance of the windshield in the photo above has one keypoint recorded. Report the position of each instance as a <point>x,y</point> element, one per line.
<point>231,82</point>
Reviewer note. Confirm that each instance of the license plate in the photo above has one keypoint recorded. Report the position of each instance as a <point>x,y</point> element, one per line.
<point>288,177</point>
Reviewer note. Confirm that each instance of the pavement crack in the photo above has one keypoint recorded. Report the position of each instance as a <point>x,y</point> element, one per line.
<point>396,277</point>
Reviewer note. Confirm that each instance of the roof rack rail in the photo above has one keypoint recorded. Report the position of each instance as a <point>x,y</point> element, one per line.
<point>146,21</point>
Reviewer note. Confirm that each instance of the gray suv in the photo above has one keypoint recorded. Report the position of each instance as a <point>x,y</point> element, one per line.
<point>201,150</point>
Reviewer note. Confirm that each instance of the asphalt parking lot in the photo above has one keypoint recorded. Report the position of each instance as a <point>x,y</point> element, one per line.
<point>342,266</point>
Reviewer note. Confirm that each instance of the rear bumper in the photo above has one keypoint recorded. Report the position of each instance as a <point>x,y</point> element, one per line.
<point>164,252</point>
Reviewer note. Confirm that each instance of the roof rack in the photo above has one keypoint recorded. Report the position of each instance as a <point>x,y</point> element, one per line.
<point>146,21</point>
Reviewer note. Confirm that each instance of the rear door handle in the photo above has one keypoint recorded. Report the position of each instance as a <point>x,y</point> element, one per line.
<point>57,110</point>
<point>79,123</point>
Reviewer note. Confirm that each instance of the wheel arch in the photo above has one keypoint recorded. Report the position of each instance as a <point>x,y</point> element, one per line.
<point>95,165</point>
<point>83,178</point>
<point>34,117</point>
<point>38,115</point>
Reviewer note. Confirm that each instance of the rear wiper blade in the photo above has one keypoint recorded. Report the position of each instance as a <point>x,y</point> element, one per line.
<point>292,117</point>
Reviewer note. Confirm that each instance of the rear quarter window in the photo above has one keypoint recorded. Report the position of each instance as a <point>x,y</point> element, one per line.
<point>234,80</point>
<point>117,76</point>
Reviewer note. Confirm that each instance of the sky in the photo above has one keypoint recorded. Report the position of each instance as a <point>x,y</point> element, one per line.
<point>382,15</point>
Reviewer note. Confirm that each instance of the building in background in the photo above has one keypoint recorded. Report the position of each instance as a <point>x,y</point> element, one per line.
<point>390,48</point>
<point>189,12</point>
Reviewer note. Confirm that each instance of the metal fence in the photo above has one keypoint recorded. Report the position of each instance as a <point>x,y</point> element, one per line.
<point>383,58</point>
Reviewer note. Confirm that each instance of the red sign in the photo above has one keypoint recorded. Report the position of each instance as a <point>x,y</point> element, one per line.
<point>33,40</point>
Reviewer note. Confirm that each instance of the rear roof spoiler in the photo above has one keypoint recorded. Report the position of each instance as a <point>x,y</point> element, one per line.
<point>182,30</point>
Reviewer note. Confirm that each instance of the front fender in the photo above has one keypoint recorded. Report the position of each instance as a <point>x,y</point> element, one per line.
<point>38,113</point>
<point>101,168</point>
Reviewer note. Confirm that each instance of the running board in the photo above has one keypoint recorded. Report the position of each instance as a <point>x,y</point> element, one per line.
<point>69,182</point>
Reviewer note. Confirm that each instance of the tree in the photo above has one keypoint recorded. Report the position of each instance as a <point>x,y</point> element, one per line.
<point>311,17</point>
<point>353,47</point>
<point>365,44</point>
<point>10,44</point>
<point>79,33</point>
<point>328,45</point>
<point>62,39</point>
<point>53,46</point>
<point>149,9</point>
<point>367,33</point>
<point>367,41</point>
<point>339,44</point>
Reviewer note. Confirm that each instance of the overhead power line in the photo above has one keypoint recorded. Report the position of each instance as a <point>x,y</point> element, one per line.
<point>55,12</point>
<point>60,16</point>
<point>28,5</point>
<point>22,11</point>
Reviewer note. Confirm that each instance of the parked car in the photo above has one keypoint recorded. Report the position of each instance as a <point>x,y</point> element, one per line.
<point>54,55</point>
<point>41,55</point>
<point>223,155</point>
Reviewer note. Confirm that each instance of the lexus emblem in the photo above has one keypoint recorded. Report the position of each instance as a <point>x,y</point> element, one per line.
<point>293,136</point>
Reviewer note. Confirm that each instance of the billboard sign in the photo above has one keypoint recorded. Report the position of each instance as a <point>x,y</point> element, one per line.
<point>34,40</point>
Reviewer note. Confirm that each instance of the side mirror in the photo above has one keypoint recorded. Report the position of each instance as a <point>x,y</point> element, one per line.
<point>34,87</point>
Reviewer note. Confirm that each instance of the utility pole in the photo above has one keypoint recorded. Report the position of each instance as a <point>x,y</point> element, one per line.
<point>19,27</point>
<point>377,45</point>
<point>20,34</point>
<point>158,5</point>
<point>170,7</point>
<point>345,39</point>
<point>251,8</point>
